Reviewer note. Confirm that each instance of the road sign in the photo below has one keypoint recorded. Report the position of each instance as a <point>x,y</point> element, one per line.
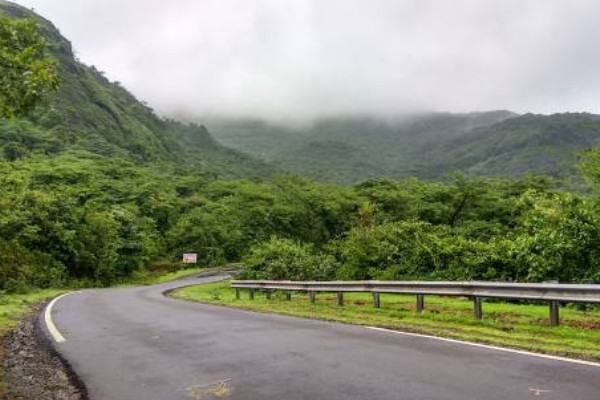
<point>190,258</point>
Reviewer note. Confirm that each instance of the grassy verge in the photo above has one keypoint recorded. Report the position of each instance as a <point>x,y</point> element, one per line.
<point>12,308</point>
<point>508,325</point>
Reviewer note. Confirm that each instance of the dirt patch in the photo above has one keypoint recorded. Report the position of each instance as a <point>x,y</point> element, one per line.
<point>584,324</point>
<point>31,368</point>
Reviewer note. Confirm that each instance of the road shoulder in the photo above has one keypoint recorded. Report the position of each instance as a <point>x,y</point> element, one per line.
<point>32,368</point>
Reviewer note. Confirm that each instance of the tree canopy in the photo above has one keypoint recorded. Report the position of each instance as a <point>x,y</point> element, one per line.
<point>27,72</point>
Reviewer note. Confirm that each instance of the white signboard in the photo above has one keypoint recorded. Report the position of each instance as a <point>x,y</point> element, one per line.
<point>190,258</point>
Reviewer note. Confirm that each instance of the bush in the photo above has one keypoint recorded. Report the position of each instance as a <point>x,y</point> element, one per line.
<point>285,259</point>
<point>21,269</point>
<point>164,267</point>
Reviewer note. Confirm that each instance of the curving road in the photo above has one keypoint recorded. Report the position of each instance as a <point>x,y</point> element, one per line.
<point>135,343</point>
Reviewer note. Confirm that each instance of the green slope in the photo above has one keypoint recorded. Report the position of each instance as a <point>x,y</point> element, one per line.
<point>93,114</point>
<point>538,143</point>
<point>350,150</point>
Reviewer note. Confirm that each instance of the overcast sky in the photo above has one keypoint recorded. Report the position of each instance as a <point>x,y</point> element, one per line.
<point>305,58</point>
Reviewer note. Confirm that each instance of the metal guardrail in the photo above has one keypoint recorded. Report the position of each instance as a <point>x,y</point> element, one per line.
<point>554,293</point>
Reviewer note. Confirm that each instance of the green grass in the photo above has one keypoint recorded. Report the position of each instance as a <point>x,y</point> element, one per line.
<point>15,306</point>
<point>521,326</point>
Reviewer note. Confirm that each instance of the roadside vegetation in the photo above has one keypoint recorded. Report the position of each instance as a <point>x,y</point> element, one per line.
<point>13,307</point>
<point>520,326</point>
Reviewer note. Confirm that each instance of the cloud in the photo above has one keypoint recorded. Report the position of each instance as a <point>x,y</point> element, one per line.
<point>305,58</point>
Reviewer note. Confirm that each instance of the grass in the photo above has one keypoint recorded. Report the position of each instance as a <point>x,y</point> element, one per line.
<point>520,326</point>
<point>15,306</point>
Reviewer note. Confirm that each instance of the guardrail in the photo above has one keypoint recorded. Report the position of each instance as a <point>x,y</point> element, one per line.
<point>554,293</point>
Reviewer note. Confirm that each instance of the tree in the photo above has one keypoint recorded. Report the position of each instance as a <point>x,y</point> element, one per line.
<point>27,72</point>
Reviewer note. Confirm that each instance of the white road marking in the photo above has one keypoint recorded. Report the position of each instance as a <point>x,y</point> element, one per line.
<point>487,346</point>
<point>54,332</point>
<point>538,392</point>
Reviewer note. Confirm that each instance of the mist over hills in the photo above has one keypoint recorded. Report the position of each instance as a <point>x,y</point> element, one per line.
<point>90,114</point>
<point>350,150</point>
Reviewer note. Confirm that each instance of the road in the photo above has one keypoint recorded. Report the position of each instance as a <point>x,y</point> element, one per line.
<point>135,343</point>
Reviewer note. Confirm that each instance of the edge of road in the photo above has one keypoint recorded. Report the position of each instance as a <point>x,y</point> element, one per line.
<point>47,343</point>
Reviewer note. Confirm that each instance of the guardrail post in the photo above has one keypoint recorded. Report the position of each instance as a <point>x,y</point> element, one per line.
<point>420,303</point>
<point>288,295</point>
<point>268,294</point>
<point>554,313</point>
<point>340,299</point>
<point>376,300</point>
<point>477,308</point>
<point>251,294</point>
<point>237,293</point>
<point>312,296</point>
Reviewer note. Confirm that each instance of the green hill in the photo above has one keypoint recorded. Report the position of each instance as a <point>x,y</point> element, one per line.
<point>350,150</point>
<point>90,113</point>
<point>539,143</point>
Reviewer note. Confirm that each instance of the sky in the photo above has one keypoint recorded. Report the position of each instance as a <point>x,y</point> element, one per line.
<point>302,59</point>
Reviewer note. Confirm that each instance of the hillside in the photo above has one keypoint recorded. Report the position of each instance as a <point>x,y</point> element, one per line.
<point>92,114</point>
<point>350,150</point>
<point>519,145</point>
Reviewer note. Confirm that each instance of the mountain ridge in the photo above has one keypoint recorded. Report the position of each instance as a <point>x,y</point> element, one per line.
<point>495,143</point>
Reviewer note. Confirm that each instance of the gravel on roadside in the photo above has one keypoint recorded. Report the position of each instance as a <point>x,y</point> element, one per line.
<point>32,369</point>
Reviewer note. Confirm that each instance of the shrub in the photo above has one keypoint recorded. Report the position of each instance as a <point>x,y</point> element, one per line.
<point>285,259</point>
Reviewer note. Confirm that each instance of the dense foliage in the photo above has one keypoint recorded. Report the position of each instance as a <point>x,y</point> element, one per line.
<point>27,72</point>
<point>80,217</point>
<point>350,150</point>
<point>465,229</point>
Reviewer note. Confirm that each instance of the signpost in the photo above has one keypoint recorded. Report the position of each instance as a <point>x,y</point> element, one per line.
<point>190,258</point>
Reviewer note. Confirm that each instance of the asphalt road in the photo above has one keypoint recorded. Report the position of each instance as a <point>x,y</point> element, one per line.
<point>135,343</point>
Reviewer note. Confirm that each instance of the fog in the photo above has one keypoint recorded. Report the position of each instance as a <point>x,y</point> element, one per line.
<point>299,59</point>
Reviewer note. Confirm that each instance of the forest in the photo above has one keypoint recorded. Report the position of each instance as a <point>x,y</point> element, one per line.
<point>352,149</point>
<point>96,188</point>
<point>81,220</point>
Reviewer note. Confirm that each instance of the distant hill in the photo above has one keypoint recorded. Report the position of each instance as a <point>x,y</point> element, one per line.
<point>90,113</point>
<point>431,145</point>
<point>539,143</point>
